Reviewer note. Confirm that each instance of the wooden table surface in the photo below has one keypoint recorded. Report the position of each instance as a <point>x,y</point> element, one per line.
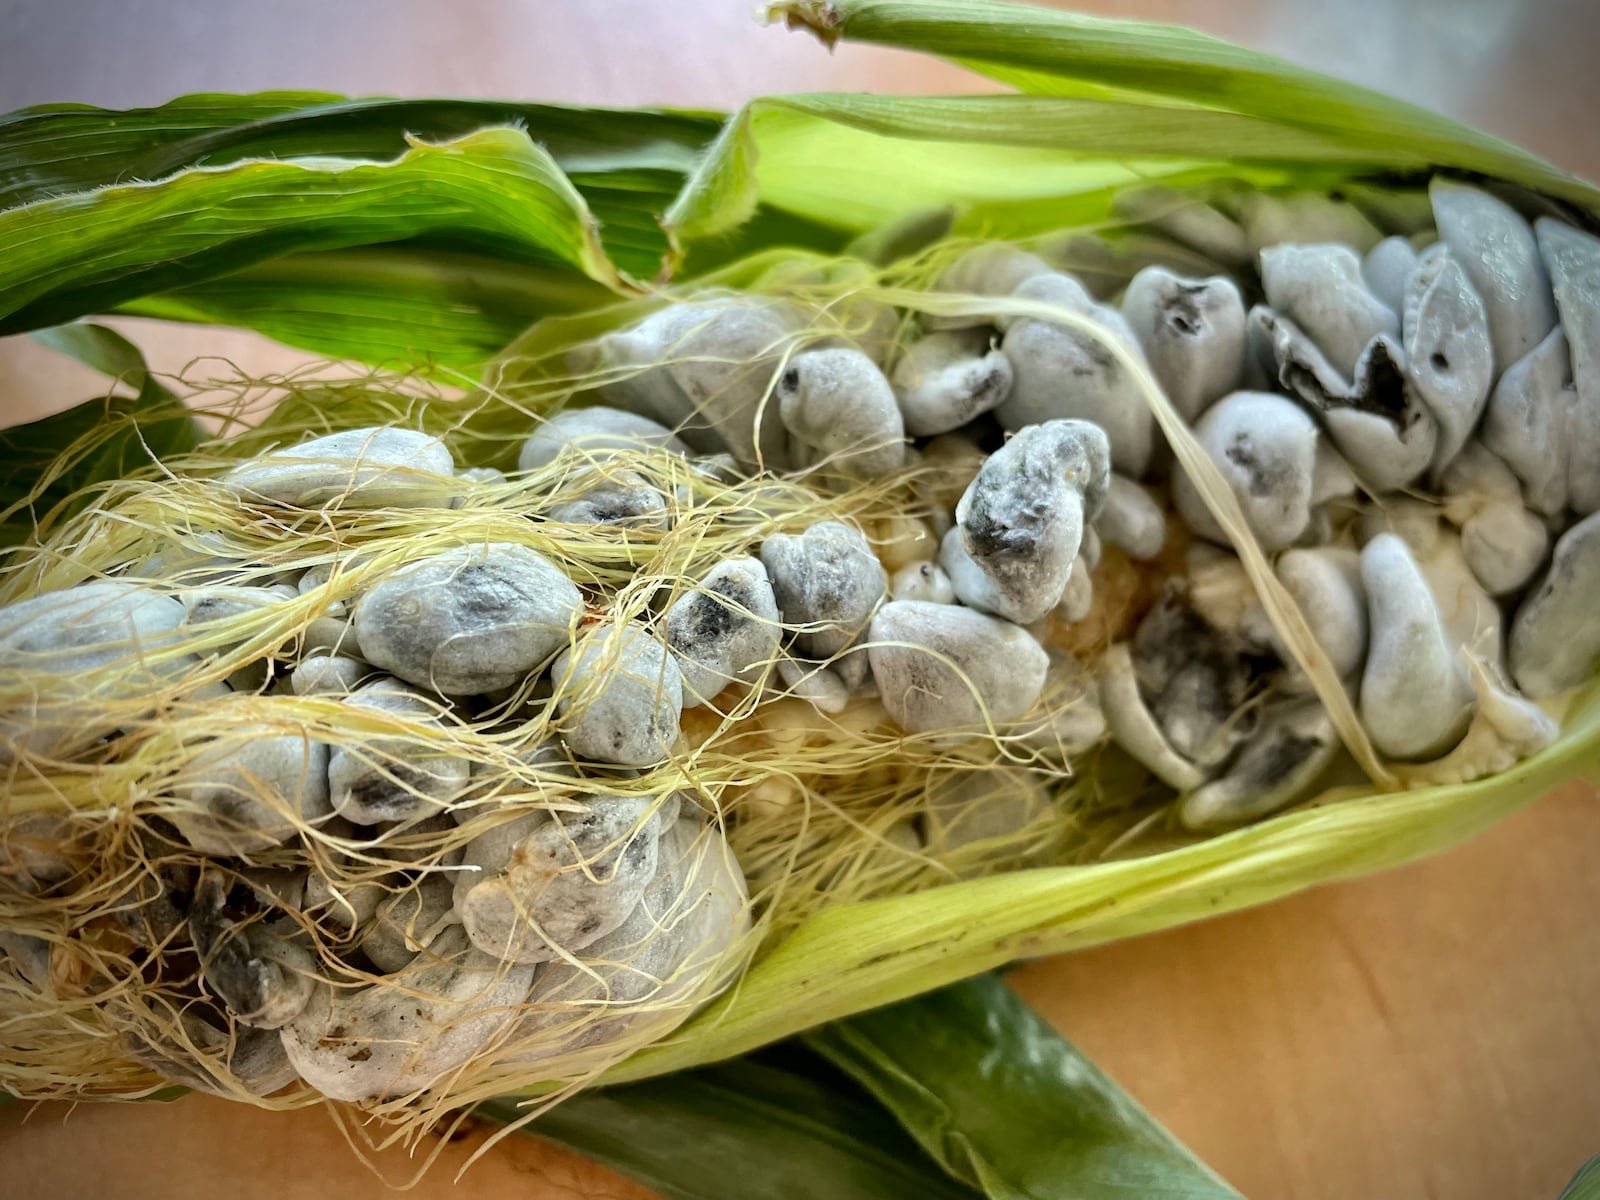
<point>1430,1032</point>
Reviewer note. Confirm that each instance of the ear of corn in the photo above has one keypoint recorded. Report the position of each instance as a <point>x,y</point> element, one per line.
<point>1107,106</point>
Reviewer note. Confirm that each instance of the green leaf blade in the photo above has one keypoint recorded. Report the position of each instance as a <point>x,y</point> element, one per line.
<point>1003,1102</point>
<point>747,1130</point>
<point>1052,51</point>
<point>45,463</point>
<point>401,304</point>
<point>79,253</point>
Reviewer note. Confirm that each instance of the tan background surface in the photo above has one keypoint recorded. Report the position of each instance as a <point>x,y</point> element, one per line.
<point>1432,1032</point>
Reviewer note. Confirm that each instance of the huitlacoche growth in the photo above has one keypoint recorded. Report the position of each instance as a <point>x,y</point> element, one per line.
<point>1410,425</point>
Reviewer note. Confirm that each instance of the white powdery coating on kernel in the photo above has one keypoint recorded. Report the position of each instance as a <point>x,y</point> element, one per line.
<point>723,629</point>
<point>1320,289</point>
<point>940,666</point>
<point>1021,519</point>
<point>620,696</point>
<point>554,883</point>
<point>1497,250</point>
<point>827,582</point>
<point>1416,692</point>
<point>1555,638</point>
<point>373,467</point>
<point>393,778</point>
<point>841,412</point>
<point>469,620</point>
<point>93,641</point>
<point>1266,448</point>
<point>595,431</point>
<point>1192,333</point>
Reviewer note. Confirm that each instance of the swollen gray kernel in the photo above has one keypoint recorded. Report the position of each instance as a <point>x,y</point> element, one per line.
<point>29,958</point>
<point>723,630</point>
<point>1192,333</point>
<point>247,793</point>
<point>393,778</point>
<point>1043,355</point>
<point>375,467</point>
<point>1416,692</point>
<point>926,581</point>
<point>972,807</point>
<point>1320,289</point>
<point>622,499</point>
<point>408,922</point>
<point>468,620</point>
<point>1265,447</point>
<point>820,687</point>
<point>408,1033</point>
<point>1472,619</point>
<point>1303,217</point>
<point>1503,543</point>
<point>326,675</point>
<point>636,979</point>
<point>1191,221</point>
<point>992,269</point>
<point>724,364</point>
<point>1294,746</point>
<point>1325,582</point>
<point>1073,722</point>
<point>969,582</point>
<point>565,880</point>
<point>1331,478</point>
<point>1056,288</point>
<point>250,1058</point>
<point>945,380</point>
<point>840,412</point>
<point>1131,520</point>
<point>97,641</point>
<point>1527,419</point>
<point>1449,357</point>
<point>1386,268</point>
<point>940,666</point>
<point>331,635</point>
<point>596,432</point>
<point>1377,420</point>
<point>1383,427</point>
<point>219,607</point>
<point>827,582</point>
<point>1078,598</point>
<point>619,697</point>
<point>1573,259</point>
<point>1196,677</point>
<point>1555,638</point>
<point>707,366</point>
<point>344,908</point>
<point>1497,250</point>
<point>263,978</point>
<point>1134,727</point>
<point>1021,519</point>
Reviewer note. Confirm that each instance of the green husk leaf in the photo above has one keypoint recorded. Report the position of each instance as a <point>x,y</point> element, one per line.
<point>748,1130</point>
<point>383,304</point>
<point>86,252</point>
<point>1006,1104</point>
<point>1049,51</point>
<point>627,163</point>
<point>860,162</point>
<point>118,434</point>
<point>1585,1185</point>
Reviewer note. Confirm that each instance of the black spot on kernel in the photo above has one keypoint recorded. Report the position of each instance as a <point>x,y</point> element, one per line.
<point>791,380</point>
